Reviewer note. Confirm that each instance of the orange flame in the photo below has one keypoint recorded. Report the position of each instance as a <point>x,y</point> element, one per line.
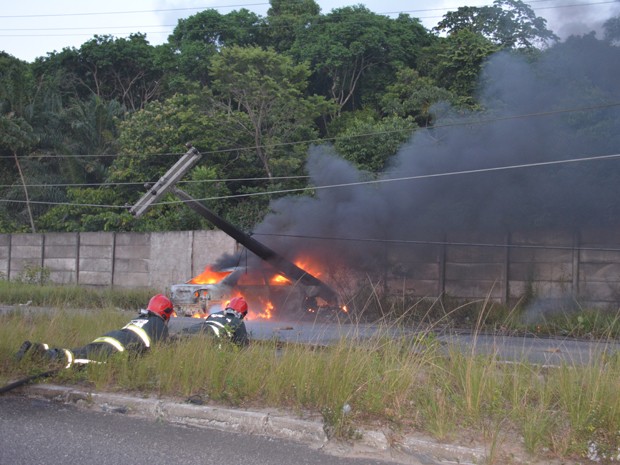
<point>209,276</point>
<point>265,314</point>
<point>303,263</point>
<point>306,264</point>
<point>278,279</point>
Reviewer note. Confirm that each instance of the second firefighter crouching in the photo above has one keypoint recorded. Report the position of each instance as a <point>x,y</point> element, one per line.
<point>150,326</point>
<point>227,324</point>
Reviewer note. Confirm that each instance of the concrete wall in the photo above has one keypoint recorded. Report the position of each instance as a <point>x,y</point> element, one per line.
<point>121,260</point>
<point>584,266</point>
<point>465,266</point>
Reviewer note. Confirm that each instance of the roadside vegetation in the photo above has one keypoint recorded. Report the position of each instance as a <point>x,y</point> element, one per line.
<point>24,294</point>
<point>396,382</point>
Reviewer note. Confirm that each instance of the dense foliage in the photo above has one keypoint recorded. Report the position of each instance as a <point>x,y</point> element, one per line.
<point>82,130</point>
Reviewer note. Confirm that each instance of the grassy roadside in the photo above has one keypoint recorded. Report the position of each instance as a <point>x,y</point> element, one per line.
<point>415,384</point>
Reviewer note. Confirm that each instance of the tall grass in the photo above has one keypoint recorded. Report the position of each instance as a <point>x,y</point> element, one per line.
<point>397,379</point>
<point>69,296</point>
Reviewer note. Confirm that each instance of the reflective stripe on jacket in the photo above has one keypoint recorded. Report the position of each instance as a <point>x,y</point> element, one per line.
<point>138,335</point>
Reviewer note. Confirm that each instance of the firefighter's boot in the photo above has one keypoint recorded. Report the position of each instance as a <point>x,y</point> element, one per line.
<point>31,348</point>
<point>23,349</point>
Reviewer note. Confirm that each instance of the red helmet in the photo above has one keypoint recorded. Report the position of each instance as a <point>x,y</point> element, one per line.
<point>239,305</point>
<point>161,305</point>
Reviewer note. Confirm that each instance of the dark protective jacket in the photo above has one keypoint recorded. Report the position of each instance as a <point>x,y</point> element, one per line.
<point>227,324</point>
<point>136,336</point>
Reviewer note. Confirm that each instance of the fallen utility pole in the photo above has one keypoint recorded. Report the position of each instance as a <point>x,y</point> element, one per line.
<point>167,184</point>
<point>282,265</point>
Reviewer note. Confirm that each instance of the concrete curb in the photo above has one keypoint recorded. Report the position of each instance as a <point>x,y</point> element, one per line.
<point>377,444</point>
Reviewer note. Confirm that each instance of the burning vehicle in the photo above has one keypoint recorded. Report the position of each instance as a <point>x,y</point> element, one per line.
<point>275,283</point>
<point>266,292</point>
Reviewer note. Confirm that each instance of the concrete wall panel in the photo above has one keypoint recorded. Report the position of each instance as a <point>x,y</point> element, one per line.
<point>26,253</point>
<point>607,292</point>
<point>474,271</point>
<point>131,280</point>
<point>460,254</point>
<point>541,271</point>
<point>60,256</point>
<point>208,247</point>
<point>596,256</point>
<point>131,265</point>
<point>95,278</point>
<point>416,271</point>
<point>101,265</point>
<point>541,255</point>
<point>473,289</point>
<point>5,243</point>
<point>600,272</point>
<point>60,264</point>
<point>97,239</point>
<point>171,258</point>
<point>414,287</point>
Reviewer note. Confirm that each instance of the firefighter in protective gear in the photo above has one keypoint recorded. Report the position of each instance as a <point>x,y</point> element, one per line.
<point>225,324</point>
<point>150,326</point>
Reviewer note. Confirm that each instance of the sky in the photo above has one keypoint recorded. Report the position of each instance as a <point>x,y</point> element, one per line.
<point>34,28</point>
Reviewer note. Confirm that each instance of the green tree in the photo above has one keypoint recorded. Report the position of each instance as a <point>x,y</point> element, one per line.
<point>412,96</point>
<point>286,19</point>
<point>90,138</point>
<point>17,139</point>
<point>123,69</point>
<point>612,30</point>
<point>506,23</point>
<point>197,39</point>
<point>32,135</point>
<point>456,62</point>
<point>369,141</point>
<point>352,44</point>
<point>149,143</point>
<point>88,209</point>
<point>264,97</point>
<point>16,86</point>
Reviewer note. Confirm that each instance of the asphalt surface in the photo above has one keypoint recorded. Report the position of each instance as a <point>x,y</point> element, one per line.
<point>544,351</point>
<point>41,432</point>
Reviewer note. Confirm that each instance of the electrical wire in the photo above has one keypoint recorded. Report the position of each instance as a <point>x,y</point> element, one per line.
<point>216,7</point>
<point>262,26</point>
<point>141,183</point>
<point>126,12</point>
<point>350,184</point>
<point>442,243</point>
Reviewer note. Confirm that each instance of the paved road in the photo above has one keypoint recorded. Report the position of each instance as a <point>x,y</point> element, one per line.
<point>40,432</point>
<point>548,351</point>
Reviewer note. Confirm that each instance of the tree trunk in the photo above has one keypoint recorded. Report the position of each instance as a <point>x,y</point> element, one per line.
<point>21,175</point>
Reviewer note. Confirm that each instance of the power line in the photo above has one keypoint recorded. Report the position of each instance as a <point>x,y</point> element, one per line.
<point>127,12</point>
<point>553,7</point>
<point>442,243</point>
<point>350,184</point>
<point>141,183</point>
<point>245,5</point>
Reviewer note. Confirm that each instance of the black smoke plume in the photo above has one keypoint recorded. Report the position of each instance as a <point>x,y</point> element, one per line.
<point>511,167</point>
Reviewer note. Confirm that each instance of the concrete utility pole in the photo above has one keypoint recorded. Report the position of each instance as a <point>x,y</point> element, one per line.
<point>167,181</point>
